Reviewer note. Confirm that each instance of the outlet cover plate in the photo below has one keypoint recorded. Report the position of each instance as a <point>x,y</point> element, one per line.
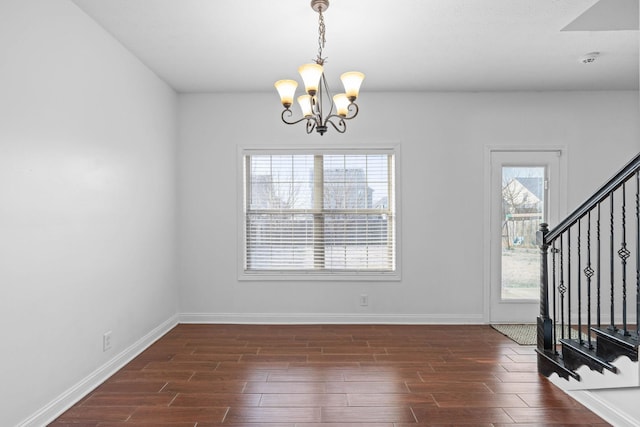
<point>106,341</point>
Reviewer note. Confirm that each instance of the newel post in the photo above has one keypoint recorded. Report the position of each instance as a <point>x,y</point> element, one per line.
<point>545,334</point>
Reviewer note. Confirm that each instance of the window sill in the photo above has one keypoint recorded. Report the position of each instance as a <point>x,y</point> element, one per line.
<point>369,276</point>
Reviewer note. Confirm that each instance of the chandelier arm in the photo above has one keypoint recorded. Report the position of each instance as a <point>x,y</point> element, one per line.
<point>355,111</point>
<point>311,125</point>
<point>341,127</point>
<point>341,118</point>
<point>290,113</point>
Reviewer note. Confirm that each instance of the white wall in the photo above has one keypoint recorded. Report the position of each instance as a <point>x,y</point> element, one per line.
<point>87,201</point>
<point>443,137</point>
<point>87,198</point>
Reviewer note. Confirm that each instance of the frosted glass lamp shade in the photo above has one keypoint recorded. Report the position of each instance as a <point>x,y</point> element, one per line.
<point>352,81</point>
<point>305,105</point>
<point>342,104</point>
<point>286,90</point>
<point>311,74</point>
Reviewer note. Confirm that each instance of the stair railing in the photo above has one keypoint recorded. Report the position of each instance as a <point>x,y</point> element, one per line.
<point>592,252</point>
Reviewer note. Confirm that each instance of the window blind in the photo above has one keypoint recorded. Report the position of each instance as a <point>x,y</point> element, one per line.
<point>320,212</point>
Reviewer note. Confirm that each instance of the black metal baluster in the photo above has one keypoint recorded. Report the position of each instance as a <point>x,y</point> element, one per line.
<point>579,283</point>
<point>598,276</point>
<point>569,282</point>
<point>637,253</point>
<point>562,288</point>
<point>554,251</point>
<point>588,272</point>
<point>624,253</point>
<point>612,326</point>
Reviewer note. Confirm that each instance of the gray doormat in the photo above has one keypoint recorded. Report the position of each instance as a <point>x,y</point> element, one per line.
<point>524,334</point>
<point>527,334</point>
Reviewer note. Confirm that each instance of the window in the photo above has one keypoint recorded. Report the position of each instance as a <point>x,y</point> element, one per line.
<point>319,213</point>
<point>523,196</point>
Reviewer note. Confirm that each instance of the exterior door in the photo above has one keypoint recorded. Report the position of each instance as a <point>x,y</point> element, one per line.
<point>524,193</point>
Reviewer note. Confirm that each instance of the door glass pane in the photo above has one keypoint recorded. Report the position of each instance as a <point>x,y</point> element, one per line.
<point>523,206</point>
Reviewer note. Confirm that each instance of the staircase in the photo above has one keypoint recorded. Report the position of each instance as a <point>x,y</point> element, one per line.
<point>588,332</point>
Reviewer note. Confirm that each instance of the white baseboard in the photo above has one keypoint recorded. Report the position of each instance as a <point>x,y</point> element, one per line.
<point>332,318</point>
<point>71,396</point>
<point>604,409</point>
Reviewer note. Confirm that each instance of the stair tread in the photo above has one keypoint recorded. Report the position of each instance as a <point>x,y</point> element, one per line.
<point>588,353</point>
<point>554,363</point>
<point>596,354</point>
<point>630,341</point>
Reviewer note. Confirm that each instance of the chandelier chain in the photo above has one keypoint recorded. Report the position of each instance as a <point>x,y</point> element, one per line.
<point>321,37</point>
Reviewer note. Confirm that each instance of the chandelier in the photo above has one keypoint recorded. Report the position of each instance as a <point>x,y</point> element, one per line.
<point>318,115</point>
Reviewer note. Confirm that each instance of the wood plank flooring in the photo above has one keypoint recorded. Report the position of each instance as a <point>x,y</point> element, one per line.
<point>329,376</point>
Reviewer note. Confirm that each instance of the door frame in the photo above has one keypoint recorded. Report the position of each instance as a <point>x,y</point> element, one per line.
<point>487,235</point>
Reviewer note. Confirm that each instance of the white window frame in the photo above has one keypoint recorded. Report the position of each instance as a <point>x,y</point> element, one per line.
<point>306,275</point>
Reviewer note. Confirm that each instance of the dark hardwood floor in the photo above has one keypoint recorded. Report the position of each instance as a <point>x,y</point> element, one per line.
<point>329,376</point>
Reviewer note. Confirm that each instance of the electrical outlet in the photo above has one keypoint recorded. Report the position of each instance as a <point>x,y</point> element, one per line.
<point>364,300</point>
<point>106,341</point>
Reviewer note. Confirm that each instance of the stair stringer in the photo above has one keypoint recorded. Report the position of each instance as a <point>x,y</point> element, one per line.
<point>628,375</point>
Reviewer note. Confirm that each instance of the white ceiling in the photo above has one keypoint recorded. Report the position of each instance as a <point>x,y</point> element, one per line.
<point>401,45</point>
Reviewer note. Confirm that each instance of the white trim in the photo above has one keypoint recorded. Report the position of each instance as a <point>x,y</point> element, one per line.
<point>392,148</point>
<point>338,276</point>
<point>73,395</point>
<point>562,205</point>
<point>486,238</point>
<point>604,409</point>
<point>331,318</point>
